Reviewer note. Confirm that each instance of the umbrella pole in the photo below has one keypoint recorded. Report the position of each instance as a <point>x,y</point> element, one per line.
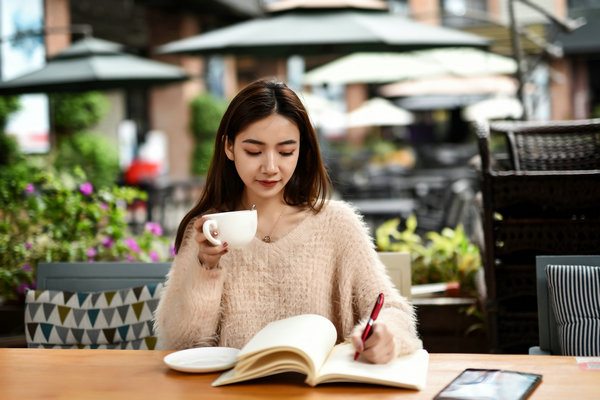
<point>518,56</point>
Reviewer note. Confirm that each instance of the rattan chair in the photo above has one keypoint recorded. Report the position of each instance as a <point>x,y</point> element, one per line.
<point>542,197</point>
<point>551,146</point>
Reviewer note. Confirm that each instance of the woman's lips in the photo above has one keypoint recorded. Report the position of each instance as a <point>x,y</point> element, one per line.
<point>268,183</point>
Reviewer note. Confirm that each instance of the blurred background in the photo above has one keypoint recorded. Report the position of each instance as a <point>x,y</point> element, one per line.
<point>392,113</point>
<point>117,103</point>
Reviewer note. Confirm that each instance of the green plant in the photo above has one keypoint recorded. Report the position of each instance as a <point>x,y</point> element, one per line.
<point>96,154</point>
<point>446,256</point>
<point>202,155</point>
<point>9,150</point>
<point>380,149</point>
<point>74,112</point>
<point>46,218</point>
<point>8,105</point>
<point>207,112</point>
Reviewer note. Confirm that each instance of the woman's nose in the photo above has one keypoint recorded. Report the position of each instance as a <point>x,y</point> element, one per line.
<point>270,162</point>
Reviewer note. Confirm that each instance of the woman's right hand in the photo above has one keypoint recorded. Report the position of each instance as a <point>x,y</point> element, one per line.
<point>208,254</point>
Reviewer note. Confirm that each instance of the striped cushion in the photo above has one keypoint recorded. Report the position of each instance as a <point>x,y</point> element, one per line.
<point>116,319</point>
<point>575,294</point>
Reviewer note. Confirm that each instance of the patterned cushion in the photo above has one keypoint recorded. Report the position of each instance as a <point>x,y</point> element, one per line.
<point>117,319</point>
<point>575,294</point>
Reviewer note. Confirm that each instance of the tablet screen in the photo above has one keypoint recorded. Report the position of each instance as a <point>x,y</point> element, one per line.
<point>490,384</point>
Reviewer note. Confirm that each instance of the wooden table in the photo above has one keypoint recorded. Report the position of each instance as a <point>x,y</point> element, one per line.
<point>138,374</point>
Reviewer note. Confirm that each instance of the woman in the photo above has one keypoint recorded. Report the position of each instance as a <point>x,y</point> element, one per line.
<point>310,255</point>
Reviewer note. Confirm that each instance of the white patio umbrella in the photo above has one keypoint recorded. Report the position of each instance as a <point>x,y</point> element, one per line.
<point>324,114</point>
<point>453,85</point>
<point>316,106</point>
<point>393,67</point>
<point>379,112</point>
<point>494,108</point>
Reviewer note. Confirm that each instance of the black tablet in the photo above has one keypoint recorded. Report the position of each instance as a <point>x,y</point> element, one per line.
<point>496,384</point>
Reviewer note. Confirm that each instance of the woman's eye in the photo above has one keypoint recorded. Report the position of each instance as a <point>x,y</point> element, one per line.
<point>252,153</point>
<point>287,154</point>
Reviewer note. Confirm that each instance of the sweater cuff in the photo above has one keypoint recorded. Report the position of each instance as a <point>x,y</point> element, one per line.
<point>214,271</point>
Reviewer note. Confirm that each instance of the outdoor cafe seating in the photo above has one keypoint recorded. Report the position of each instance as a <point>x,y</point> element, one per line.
<point>540,197</point>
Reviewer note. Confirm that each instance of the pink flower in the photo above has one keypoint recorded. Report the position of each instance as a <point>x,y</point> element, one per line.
<point>130,257</point>
<point>23,286</point>
<point>155,228</point>
<point>27,246</point>
<point>86,188</point>
<point>104,206</point>
<point>108,242</point>
<point>91,252</point>
<point>29,188</point>
<point>153,255</point>
<point>132,244</point>
<point>26,267</point>
<point>172,250</point>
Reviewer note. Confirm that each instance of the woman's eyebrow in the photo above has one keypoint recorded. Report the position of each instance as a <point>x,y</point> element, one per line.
<point>253,141</point>
<point>285,142</point>
<point>259,143</point>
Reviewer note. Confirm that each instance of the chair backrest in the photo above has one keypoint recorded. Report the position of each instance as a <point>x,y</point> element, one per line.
<point>95,305</point>
<point>548,333</point>
<point>551,145</point>
<point>89,277</point>
<point>398,268</point>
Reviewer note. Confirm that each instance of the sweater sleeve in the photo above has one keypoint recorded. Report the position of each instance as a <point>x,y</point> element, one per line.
<point>368,277</point>
<point>190,307</point>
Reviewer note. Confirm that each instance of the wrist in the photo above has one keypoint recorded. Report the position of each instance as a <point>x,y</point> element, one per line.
<point>208,267</point>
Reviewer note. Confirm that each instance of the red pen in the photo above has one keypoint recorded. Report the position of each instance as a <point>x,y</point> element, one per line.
<point>372,319</point>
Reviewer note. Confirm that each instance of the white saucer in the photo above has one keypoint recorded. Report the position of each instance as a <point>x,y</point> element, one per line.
<point>202,359</point>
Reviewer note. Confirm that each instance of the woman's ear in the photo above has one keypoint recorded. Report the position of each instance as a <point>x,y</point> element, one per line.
<point>229,149</point>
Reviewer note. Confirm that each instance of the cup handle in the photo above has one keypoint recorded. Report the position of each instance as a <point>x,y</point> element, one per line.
<point>206,228</point>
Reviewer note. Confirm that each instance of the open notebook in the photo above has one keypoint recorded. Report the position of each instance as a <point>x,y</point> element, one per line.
<point>306,344</point>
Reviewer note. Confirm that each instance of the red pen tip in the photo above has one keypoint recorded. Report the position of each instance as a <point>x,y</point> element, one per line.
<point>356,355</point>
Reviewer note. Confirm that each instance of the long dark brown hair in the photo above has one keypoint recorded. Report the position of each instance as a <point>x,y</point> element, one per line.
<point>309,185</point>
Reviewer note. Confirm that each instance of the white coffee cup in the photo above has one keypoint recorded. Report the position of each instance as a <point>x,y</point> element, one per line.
<point>237,228</point>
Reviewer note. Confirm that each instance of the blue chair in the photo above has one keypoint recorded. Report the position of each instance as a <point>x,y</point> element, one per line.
<point>90,277</point>
<point>563,267</point>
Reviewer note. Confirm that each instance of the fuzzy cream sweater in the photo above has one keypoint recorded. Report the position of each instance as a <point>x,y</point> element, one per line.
<point>325,265</point>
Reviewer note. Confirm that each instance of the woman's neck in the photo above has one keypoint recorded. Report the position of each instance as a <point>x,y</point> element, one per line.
<point>264,206</point>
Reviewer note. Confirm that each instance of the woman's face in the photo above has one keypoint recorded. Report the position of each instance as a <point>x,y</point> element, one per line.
<point>265,155</point>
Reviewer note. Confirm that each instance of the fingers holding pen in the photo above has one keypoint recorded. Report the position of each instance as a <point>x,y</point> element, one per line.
<point>379,348</point>
<point>355,338</point>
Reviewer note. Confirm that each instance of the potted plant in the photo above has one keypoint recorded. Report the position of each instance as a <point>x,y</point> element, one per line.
<point>448,263</point>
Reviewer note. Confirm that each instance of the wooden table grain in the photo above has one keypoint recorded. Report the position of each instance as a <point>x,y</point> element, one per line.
<point>138,374</point>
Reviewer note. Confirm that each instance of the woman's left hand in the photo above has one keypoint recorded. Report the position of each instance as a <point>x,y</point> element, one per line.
<point>379,348</point>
